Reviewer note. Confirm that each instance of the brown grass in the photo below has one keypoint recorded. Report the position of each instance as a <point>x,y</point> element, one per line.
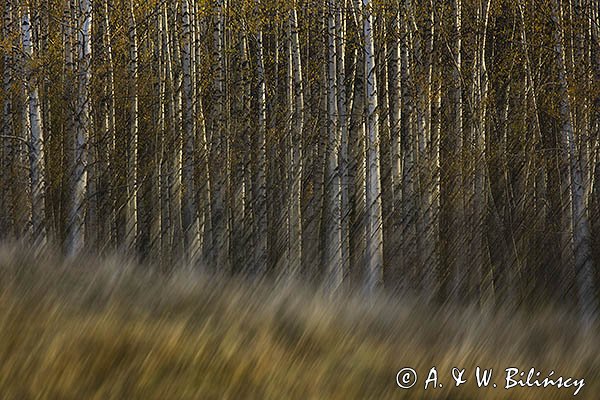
<point>111,330</point>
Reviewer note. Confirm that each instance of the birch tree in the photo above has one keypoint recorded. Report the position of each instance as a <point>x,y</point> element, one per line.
<point>261,184</point>
<point>295,208</point>
<point>408,209</point>
<point>78,184</point>
<point>8,145</point>
<point>484,284</point>
<point>584,267</point>
<point>219,143</point>
<point>36,139</point>
<point>131,225</point>
<point>189,220</point>
<point>456,259</point>
<point>343,157</point>
<point>106,129</point>
<point>333,221</point>
<point>374,248</point>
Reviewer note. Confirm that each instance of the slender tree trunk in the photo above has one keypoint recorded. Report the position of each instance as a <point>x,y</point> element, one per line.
<point>357,153</point>
<point>131,224</point>
<point>408,209</point>
<point>340,21</point>
<point>429,257</point>
<point>374,250</point>
<point>78,185</point>
<point>295,207</point>
<point>163,170</point>
<point>202,153</point>
<point>8,145</point>
<point>219,181</point>
<point>334,273</point>
<point>110,115</point>
<point>418,82</point>
<point>484,279</point>
<point>175,146</point>
<point>22,205</point>
<point>261,251</point>
<point>457,217</point>
<point>189,219</point>
<point>434,262</point>
<point>105,122</point>
<point>36,140</point>
<point>584,267</point>
<point>395,104</point>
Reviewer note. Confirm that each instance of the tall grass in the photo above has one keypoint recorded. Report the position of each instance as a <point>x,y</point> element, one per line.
<point>108,329</point>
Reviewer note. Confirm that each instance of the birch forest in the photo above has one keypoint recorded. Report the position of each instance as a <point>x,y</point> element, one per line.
<point>446,149</point>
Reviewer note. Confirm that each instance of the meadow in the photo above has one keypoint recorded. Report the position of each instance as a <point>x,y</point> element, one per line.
<point>111,329</point>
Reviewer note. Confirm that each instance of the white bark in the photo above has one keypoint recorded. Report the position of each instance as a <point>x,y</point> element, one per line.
<point>431,214</point>
<point>343,161</point>
<point>261,200</point>
<point>36,140</point>
<point>162,145</point>
<point>394,93</point>
<point>8,148</point>
<point>374,234</point>
<point>219,144</point>
<point>584,267</point>
<point>457,245</point>
<point>131,224</point>
<point>105,132</point>
<point>295,213</point>
<point>76,234</point>
<point>334,272</point>
<point>175,117</point>
<point>484,278</point>
<point>189,220</point>
<point>203,185</point>
<point>408,208</point>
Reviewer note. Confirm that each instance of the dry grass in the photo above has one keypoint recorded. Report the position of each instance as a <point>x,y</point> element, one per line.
<point>110,330</point>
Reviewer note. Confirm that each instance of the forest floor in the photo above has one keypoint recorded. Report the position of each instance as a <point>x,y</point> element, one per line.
<point>111,330</point>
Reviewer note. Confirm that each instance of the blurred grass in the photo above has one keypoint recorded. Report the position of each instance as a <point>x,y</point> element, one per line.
<point>90,329</point>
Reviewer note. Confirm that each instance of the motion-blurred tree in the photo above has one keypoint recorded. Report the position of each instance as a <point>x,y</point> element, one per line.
<point>449,148</point>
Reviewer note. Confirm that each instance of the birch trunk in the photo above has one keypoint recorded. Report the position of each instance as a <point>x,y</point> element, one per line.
<point>175,117</point>
<point>189,219</point>
<point>430,256</point>
<point>434,263</point>
<point>396,153</point>
<point>484,279</point>
<point>295,207</point>
<point>457,245</point>
<point>333,221</point>
<point>131,224</point>
<point>163,183</point>
<point>78,188</point>
<point>219,145</point>
<point>8,145</point>
<point>357,152</point>
<point>418,82</point>
<point>584,267</point>
<point>261,252</point>
<point>374,233</point>
<point>203,185</point>
<point>343,161</point>
<point>395,104</point>
<point>408,209</point>
<point>106,132</point>
<point>36,140</point>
